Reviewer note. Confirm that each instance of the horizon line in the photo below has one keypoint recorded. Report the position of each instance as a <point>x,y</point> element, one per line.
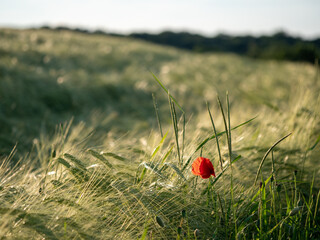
<point>165,29</point>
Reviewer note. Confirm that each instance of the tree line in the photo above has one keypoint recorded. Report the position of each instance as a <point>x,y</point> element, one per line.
<point>279,46</point>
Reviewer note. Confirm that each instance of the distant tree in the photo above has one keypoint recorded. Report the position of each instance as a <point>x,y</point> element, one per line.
<point>280,46</point>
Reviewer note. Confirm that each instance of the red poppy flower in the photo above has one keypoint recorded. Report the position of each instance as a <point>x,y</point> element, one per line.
<point>203,167</point>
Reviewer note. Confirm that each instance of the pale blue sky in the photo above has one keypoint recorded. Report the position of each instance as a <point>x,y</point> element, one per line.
<point>299,17</point>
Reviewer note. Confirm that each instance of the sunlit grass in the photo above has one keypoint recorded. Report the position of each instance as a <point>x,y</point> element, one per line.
<point>112,173</point>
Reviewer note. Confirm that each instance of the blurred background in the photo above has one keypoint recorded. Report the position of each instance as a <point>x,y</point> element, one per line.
<point>90,61</point>
<point>265,29</point>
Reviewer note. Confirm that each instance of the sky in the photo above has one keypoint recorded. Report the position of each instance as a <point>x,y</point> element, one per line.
<point>207,17</point>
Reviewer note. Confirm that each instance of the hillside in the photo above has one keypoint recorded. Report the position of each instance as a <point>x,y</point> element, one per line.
<point>48,77</point>
<point>68,98</point>
<point>279,46</point>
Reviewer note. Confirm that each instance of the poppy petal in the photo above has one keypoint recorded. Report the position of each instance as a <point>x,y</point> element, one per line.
<point>203,167</point>
<point>196,166</point>
<point>205,176</point>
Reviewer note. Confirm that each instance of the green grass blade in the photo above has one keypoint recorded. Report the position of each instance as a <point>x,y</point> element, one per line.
<point>175,126</point>
<point>183,136</point>
<point>221,133</point>
<point>143,173</point>
<point>259,191</point>
<point>228,135</point>
<point>316,208</point>
<point>315,144</point>
<point>215,133</point>
<point>229,126</point>
<point>166,90</point>
<point>210,138</point>
<point>226,128</point>
<point>267,153</point>
<point>145,231</point>
<point>276,226</point>
<point>263,207</point>
<point>273,168</point>
<point>158,147</point>
<point>156,109</point>
<point>167,154</point>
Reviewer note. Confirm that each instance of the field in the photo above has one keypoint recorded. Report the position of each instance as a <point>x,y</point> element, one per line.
<point>98,135</point>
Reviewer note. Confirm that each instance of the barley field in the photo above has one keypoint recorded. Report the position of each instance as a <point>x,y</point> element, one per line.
<point>99,133</point>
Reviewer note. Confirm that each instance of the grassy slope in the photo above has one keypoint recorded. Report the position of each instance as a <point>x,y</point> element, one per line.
<point>46,78</point>
<point>96,74</point>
